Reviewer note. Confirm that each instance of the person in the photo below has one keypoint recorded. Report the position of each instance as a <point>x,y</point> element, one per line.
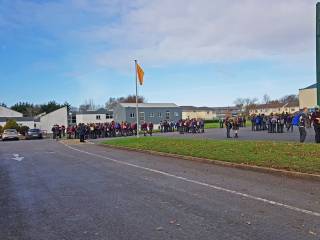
<point>228,126</point>
<point>54,131</point>
<point>235,127</point>
<point>316,123</point>
<point>302,124</point>
<point>144,129</point>
<point>82,132</point>
<point>150,128</point>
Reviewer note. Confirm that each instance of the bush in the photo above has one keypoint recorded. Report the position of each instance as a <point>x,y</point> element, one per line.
<point>11,124</point>
<point>23,130</point>
<point>211,121</point>
<point>1,129</point>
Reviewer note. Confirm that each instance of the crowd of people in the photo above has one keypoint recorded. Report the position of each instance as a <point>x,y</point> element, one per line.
<point>113,129</point>
<point>274,123</point>
<point>277,123</point>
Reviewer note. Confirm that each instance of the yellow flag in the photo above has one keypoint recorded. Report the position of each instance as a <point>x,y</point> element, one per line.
<point>140,74</point>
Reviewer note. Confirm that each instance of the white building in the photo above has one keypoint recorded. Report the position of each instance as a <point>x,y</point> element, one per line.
<point>101,115</point>
<point>274,108</point>
<point>59,117</point>
<point>43,122</point>
<point>7,112</point>
<point>208,113</point>
<point>308,96</point>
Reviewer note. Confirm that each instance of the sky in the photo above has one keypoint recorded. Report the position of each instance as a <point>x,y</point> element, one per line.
<point>202,53</point>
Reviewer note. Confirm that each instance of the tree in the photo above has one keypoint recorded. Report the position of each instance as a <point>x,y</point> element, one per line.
<point>88,105</point>
<point>289,98</point>
<point>266,99</point>
<point>23,130</point>
<point>27,109</point>
<point>1,129</point>
<point>50,107</point>
<point>2,104</point>
<point>11,124</point>
<point>128,99</point>
<point>66,104</point>
<point>245,103</point>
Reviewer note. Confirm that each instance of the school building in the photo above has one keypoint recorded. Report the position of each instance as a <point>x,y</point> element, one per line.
<point>148,112</point>
<point>308,96</point>
<point>208,113</point>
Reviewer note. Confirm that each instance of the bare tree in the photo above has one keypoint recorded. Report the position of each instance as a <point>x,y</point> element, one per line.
<point>289,98</point>
<point>266,99</point>
<point>128,99</point>
<point>245,103</point>
<point>88,105</point>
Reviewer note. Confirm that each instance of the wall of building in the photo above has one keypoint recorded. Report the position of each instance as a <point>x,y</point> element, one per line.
<point>206,115</point>
<point>154,115</point>
<point>59,117</point>
<point>119,113</point>
<point>92,118</point>
<point>6,112</point>
<point>307,98</point>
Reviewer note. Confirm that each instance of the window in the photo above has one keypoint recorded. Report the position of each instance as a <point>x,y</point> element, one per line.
<point>168,115</point>
<point>159,114</point>
<point>176,114</point>
<point>141,116</point>
<point>292,109</point>
<point>98,117</point>
<point>74,119</point>
<point>151,114</point>
<point>132,115</point>
<point>109,116</point>
<point>207,113</point>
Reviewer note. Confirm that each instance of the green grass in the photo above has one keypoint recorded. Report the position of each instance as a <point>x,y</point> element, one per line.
<point>211,125</point>
<point>281,155</point>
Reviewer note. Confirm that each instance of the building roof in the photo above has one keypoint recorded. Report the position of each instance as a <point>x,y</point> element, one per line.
<point>10,110</point>
<point>150,105</point>
<point>193,108</point>
<point>310,87</point>
<point>275,105</point>
<point>98,111</point>
<point>20,119</point>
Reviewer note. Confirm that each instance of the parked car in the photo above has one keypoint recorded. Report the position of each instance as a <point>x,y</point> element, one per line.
<point>34,133</point>
<point>10,134</point>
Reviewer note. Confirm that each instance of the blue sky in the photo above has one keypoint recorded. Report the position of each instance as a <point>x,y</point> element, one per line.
<point>205,52</point>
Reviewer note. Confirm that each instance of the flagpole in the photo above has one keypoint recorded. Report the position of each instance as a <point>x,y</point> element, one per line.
<point>137,110</point>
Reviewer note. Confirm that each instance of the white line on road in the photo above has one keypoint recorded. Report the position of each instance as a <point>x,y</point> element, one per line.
<point>274,203</point>
<point>17,157</point>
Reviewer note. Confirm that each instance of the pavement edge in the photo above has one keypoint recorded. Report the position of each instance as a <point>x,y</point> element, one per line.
<point>221,163</point>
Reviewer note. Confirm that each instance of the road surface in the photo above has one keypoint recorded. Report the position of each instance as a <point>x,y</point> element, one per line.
<point>53,191</point>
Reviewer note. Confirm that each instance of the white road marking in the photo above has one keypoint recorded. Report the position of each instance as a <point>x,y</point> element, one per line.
<point>17,157</point>
<point>274,203</point>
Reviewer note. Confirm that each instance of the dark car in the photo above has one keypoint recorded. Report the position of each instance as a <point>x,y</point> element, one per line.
<point>34,134</point>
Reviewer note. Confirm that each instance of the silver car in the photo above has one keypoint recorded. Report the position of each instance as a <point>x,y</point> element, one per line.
<point>10,134</point>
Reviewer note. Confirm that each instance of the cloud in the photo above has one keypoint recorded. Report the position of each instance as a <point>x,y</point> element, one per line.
<point>160,32</point>
<point>165,31</point>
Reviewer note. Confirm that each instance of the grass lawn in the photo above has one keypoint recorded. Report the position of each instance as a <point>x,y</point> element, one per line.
<point>211,125</point>
<point>281,155</point>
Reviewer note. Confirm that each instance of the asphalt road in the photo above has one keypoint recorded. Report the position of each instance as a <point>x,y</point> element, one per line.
<point>52,191</point>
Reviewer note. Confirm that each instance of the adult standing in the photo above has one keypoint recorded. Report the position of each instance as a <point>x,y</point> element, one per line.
<point>316,123</point>
<point>228,127</point>
<point>302,125</point>
<point>82,132</point>
<point>150,126</point>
